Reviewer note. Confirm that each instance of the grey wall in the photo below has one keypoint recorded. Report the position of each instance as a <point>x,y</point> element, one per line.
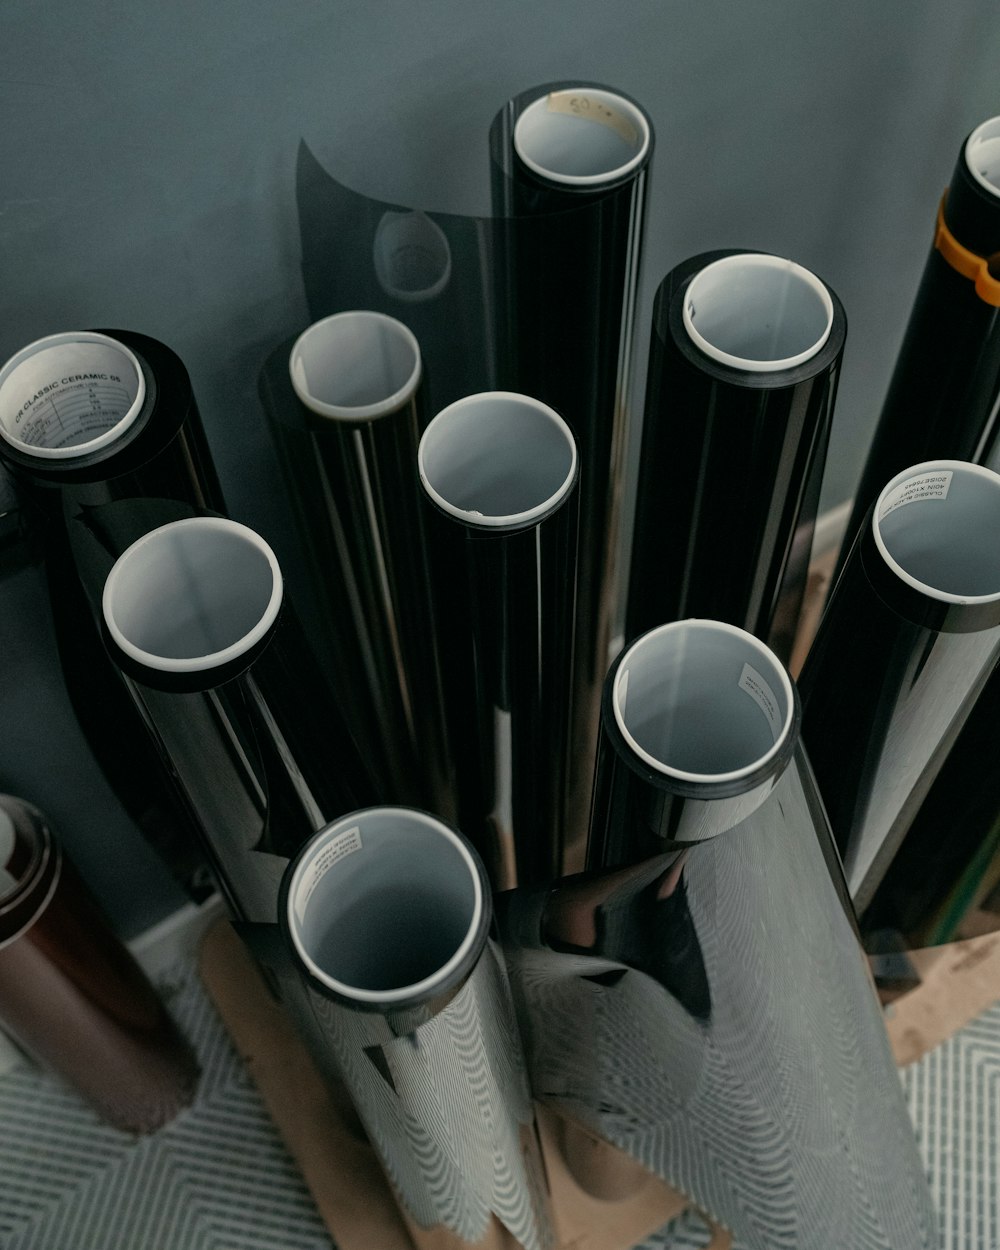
<point>147,158</point>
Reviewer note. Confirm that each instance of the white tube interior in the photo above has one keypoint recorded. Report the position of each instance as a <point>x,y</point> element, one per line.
<point>193,595</point>
<point>355,366</point>
<point>937,526</point>
<point>582,137</point>
<point>982,155</point>
<point>412,256</point>
<point>385,905</point>
<point>702,701</point>
<point>497,459</point>
<point>757,312</point>
<point>69,394</point>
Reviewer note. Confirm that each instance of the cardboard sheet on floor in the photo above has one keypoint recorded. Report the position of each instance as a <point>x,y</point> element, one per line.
<point>959,981</point>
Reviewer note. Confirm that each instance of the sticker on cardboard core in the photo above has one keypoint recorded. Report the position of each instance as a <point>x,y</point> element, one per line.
<point>336,849</point>
<point>580,104</point>
<point>69,394</point>
<point>916,490</point>
<point>757,688</point>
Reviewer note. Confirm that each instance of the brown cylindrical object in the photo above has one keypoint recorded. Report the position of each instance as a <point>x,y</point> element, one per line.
<point>70,993</point>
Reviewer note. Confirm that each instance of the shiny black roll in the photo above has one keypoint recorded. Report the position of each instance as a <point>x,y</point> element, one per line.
<point>942,399</point>
<point>537,298</point>
<point>944,883</point>
<point>220,672</point>
<point>386,916</point>
<point>570,163</point>
<point>344,407</point>
<point>699,996</point>
<point>744,362</point>
<point>906,645</point>
<point>499,471</point>
<point>86,418</point>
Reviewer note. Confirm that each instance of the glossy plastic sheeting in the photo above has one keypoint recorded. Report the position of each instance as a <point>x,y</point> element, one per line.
<point>499,471</point>
<point>418,1020</point>
<point>699,996</point>
<point>538,299</point>
<point>72,995</point>
<point>86,418</point>
<point>906,644</point>
<point>944,883</point>
<point>735,433</point>
<point>221,674</point>
<point>343,404</point>
<point>945,389</point>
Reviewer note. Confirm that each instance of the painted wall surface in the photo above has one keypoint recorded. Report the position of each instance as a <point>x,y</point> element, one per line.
<point>147,156</point>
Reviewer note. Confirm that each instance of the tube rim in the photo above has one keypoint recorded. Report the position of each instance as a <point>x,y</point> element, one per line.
<point>212,660</point>
<point>635,115</point>
<point>989,129</point>
<point>427,988</point>
<point>360,412</point>
<point>77,450</point>
<point>924,588</point>
<point>747,772</point>
<point>512,520</point>
<point>757,260</point>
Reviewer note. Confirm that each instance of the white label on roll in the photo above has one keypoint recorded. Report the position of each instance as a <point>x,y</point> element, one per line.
<point>916,490</point>
<point>757,688</point>
<point>336,849</point>
<point>580,104</point>
<point>70,392</point>
<point>67,411</point>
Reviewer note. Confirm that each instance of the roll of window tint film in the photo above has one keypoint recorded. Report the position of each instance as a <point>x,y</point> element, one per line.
<point>745,357</point>
<point>699,996</point>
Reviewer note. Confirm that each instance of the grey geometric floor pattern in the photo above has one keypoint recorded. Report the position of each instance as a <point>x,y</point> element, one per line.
<point>218,1177</point>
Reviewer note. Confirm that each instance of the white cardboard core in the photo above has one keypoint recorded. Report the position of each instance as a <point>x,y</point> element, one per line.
<point>581,137</point>
<point>412,256</point>
<point>937,526</point>
<point>702,701</point>
<point>384,905</point>
<point>193,595</point>
<point>982,155</point>
<point>757,312</point>
<point>69,394</point>
<point>497,459</point>
<point>355,366</point>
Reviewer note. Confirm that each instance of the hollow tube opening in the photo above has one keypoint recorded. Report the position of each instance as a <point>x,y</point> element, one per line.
<point>69,394</point>
<point>982,155</point>
<point>936,525</point>
<point>497,459</point>
<point>412,256</point>
<point>581,136</point>
<point>702,701</point>
<point>192,595</point>
<point>757,312</point>
<point>385,905</point>
<point>355,366</point>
